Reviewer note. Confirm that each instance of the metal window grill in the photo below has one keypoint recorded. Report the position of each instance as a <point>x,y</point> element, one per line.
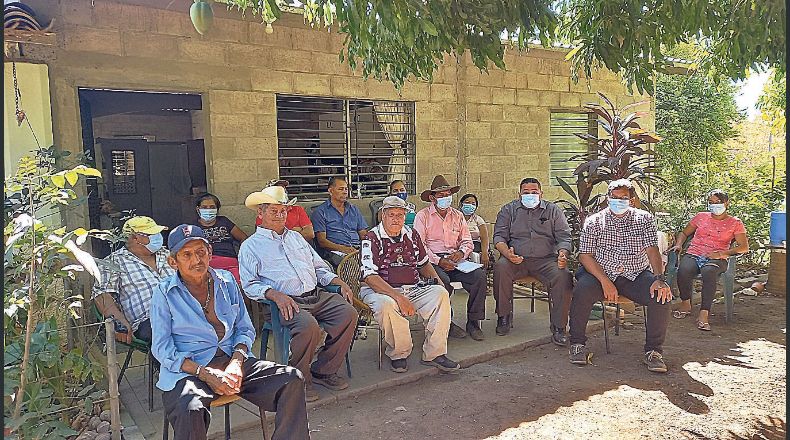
<point>124,179</point>
<point>563,144</point>
<point>370,143</point>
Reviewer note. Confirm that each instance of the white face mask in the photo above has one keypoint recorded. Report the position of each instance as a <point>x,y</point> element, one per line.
<point>716,208</point>
<point>530,200</point>
<point>444,202</point>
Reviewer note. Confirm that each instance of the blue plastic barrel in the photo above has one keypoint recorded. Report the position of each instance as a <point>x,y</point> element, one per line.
<point>778,229</point>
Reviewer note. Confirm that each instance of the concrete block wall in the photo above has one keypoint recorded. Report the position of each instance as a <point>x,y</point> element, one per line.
<point>485,131</point>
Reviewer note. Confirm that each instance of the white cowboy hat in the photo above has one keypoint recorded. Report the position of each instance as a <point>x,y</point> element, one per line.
<point>272,195</point>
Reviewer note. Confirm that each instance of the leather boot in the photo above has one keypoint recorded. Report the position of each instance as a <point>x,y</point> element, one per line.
<point>503,325</point>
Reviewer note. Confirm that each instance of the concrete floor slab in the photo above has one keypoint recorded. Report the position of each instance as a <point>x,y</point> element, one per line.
<point>530,329</point>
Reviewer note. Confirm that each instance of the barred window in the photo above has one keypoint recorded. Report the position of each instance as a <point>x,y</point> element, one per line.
<point>370,143</point>
<point>563,144</point>
<point>124,179</point>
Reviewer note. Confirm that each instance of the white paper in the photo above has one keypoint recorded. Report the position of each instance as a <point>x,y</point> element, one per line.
<point>467,266</point>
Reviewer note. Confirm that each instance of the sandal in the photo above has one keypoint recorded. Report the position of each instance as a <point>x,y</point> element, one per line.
<point>704,326</point>
<point>680,314</point>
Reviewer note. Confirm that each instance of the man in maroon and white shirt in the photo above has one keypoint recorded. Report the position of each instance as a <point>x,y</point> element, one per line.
<point>393,259</point>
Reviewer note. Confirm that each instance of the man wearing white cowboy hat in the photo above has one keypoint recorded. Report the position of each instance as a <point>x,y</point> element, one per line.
<point>447,239</point>
<point>277,264</point>
<point>297,219</point>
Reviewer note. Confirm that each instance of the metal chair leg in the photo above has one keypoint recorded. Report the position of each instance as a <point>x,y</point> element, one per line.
<point>165,428</point>
<point>348,365</point>
<point>227,422</point>
<point>264,343</point>
<point>605,328</point>
<point>125,364</point>
<point>380,344</point>
<point>616,319</point>
<point>532,305</point>
<point>150,381</point>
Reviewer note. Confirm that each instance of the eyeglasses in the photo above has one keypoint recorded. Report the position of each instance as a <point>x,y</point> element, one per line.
<point>620,198</point>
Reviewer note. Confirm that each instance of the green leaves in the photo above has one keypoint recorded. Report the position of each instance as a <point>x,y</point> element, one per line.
<point>71,176</point>
<point>398,39</point>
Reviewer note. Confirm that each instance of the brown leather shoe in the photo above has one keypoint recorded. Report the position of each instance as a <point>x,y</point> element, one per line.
<point>456,331</point>
<point>474,331</point>
<point>331,381</point>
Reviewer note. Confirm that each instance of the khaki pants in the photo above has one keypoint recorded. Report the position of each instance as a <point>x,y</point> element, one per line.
<point>432,303</point>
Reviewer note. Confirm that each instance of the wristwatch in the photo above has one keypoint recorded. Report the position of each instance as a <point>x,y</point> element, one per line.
<point>241,352</point>
<point>661,277</point>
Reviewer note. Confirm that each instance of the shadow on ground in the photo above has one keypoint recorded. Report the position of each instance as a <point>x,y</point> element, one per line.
<point>540,385</point>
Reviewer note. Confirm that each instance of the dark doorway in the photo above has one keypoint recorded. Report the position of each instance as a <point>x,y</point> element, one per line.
<point>149,147</point>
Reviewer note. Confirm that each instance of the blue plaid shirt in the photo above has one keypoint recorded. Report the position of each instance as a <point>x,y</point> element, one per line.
<point>132,286</point>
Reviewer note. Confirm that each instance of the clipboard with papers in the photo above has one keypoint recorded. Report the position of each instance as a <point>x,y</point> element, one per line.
<point>466,266</point>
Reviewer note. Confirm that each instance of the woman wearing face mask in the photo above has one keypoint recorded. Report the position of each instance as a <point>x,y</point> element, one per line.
<point>398,188</point>
<point>221,234</point>
<point>714,231</point>
<point>477,228</point>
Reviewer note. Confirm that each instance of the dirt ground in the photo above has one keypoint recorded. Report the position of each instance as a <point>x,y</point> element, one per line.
<point>724,384</point>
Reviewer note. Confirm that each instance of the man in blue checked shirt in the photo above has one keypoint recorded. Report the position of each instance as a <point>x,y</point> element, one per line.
<point>202,335</point>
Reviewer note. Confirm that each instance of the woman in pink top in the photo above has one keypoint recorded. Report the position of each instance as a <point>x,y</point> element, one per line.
<point>714,231</point>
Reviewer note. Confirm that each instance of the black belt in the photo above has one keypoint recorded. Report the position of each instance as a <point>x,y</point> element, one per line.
<point>309,297</point>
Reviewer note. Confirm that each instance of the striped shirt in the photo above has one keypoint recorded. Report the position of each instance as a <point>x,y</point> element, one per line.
<point>131,283</point>
<point>394,259</point>
<point>285,263</point>
<point>619,244</point>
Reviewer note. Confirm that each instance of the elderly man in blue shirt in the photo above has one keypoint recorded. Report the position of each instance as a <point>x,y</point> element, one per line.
<point>201,337</point>
<point>339,226</point>
<point>277,264</point>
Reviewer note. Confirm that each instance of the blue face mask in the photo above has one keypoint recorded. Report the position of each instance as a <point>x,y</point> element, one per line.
<point>619,206</point>
<point>444,202</point>
<point>402,195</point>
<point>155,242</point>
<point>468,208</point>
<point>530,200</point>
<point>716,208</point>
<point>207,215</point>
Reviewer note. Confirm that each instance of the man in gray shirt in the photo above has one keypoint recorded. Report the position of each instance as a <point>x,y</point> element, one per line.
<point>533,239</point>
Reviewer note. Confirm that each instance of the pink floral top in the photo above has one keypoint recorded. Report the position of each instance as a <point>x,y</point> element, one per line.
<point>713,235</point>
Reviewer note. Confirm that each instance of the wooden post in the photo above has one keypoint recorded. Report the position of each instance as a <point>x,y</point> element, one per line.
<point>112,379</point>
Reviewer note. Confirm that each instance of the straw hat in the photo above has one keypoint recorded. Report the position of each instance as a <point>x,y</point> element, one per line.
<point>272,195</point>
<point>439,184</point>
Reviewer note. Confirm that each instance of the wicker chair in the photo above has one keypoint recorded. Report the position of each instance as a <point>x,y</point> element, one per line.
<point>350,271</point>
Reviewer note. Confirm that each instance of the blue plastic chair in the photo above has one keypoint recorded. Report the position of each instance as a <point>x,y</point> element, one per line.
<point>282,334</point>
